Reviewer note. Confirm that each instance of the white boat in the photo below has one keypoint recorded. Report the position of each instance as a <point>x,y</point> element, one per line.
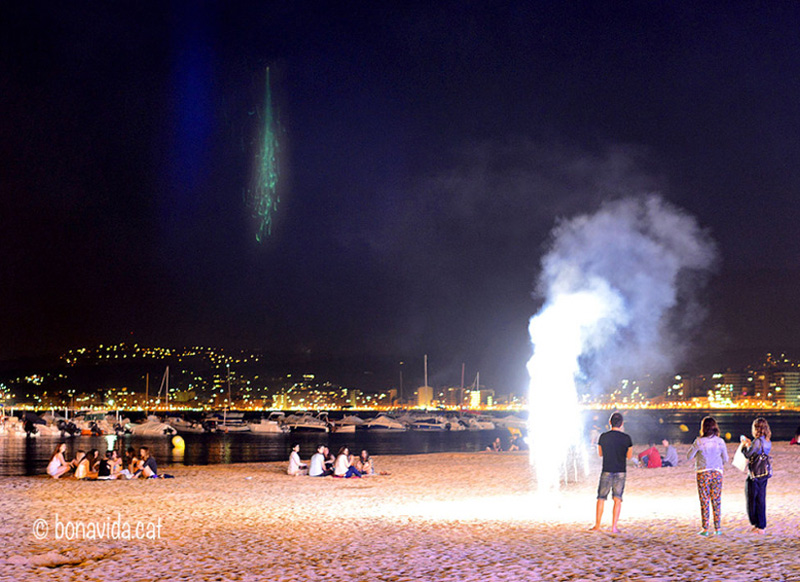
<point>348,423</point>
<point>186,426</point>
<point>267,426</point>
<point>478,422</point>
<point>430,424</point>
<point>151,427</point>
<point>383,422</point>
<point>231,422</point>
<point>307,422</point>
<point>344,428</point>
<point>11,426</point>
<point>95,423</point>
<point>455,424</point>
<point>51,430</point>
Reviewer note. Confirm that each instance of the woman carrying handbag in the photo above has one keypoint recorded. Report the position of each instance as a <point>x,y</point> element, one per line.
<point>759,470</point>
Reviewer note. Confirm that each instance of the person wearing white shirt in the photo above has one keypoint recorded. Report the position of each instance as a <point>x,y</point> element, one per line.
<point>316,467</point>
<point>296,466</point>
<point>342,467</point>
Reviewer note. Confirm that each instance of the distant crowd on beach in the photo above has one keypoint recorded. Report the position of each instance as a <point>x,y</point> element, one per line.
<point>91,465</point>
<point>324,464</point>
<point>515,443</point>
<point>709,453</point>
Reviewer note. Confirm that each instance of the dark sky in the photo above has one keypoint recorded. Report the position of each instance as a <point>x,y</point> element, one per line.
<point>427,150</point>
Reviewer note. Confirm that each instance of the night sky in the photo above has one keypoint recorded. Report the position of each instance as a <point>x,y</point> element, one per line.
<point>426,149</point>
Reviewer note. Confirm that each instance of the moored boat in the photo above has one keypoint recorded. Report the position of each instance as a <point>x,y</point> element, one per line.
<point>152,426</point>
<point>383,422</point>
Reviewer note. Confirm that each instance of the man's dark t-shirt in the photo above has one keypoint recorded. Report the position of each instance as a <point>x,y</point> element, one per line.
<point>615,445</point>
<point>151,462</point>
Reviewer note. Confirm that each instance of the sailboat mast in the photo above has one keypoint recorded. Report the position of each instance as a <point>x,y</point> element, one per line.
<point>461,391</point>
<point>225,412</point>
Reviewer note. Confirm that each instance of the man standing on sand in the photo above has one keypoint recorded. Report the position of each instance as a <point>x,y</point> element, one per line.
<point>616,448</point>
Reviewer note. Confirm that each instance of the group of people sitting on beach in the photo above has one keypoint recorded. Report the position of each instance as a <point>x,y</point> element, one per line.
<point>92,465</point>
<point>323,463</point>
<point>516,443</point>
<point>653,459</point>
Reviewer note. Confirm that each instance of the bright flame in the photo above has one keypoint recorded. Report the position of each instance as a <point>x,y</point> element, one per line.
<point>569,325</point>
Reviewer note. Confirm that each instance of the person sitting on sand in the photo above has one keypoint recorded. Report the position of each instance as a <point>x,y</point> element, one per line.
<point>796,438</point>
<point>79,454</point>
<point>364,464</point>
<point>650,458</point>
<point>342,467</point>
<point>296,466</point>
<point>329,460</point>
<point>516,443</point>
<point>670,458</point>
<point>104,471</point>
<point>85,468</point>
<point>129,465</point>
<point>496,446</point>
<point>149,468</point>
<point>116,464</point>
<point>57,465</point>
<point>316,466</point>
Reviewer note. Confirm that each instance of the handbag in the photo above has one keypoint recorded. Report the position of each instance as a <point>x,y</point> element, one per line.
<point>739,460</point>
<point>760,466</point>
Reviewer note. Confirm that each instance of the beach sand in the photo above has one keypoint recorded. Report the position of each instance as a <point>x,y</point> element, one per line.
<point>456,516</point>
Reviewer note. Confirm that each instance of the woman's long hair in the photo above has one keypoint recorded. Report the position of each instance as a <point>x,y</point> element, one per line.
<point>58,450</point>
<point>708,427</point>
<point>761,428</point>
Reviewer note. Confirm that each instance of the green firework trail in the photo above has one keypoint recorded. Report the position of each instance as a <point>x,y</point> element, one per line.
<point>264,192</point>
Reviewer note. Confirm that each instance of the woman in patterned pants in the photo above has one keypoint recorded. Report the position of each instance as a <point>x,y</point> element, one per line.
<point>710,454</point>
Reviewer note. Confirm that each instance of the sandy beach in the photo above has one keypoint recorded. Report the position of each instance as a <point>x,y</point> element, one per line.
<point>455,516</point>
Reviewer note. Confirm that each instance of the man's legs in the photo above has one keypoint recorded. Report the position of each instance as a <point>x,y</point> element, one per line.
<point>615,514</point>
<point>599,514</point>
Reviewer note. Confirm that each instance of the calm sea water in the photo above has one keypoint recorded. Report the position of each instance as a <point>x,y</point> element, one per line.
<point>22,456</point>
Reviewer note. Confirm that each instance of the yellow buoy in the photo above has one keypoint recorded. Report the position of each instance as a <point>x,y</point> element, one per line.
<point>177,442</point>
<point>684,428</point>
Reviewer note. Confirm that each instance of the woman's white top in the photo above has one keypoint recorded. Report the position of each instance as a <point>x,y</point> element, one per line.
<point>317,465</point>
<point>294,463</point>
<point>54,466</point>
<point>341,465</point>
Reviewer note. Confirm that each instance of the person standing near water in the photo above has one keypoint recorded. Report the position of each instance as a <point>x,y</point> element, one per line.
<point>615,447</point>
<point>755,487</point>
<point>710,454</point>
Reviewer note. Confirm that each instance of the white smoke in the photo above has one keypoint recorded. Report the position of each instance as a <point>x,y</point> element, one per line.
<point>620,297</point>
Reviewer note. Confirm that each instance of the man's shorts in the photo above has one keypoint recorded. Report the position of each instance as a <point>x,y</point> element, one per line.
<point>614,482</point>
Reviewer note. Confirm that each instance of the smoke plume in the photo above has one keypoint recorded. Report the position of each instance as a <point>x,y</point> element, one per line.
<point>654,259</point>
<point>620,298</point>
